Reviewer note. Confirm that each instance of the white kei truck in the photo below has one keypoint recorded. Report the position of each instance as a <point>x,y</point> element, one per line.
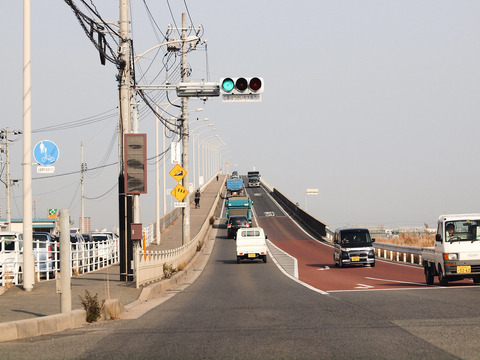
<point>251,244</point>
<point>456,254</point>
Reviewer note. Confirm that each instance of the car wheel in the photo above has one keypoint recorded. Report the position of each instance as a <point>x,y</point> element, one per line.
<point>428,275</point>
<point>442,279</point>
<point>264,258</point>
<point>372,264</point>
<point>238,260</point>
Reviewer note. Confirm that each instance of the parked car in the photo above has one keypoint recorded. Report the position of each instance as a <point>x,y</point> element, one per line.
<point>105,245</point>
<point>45,253</point>
<point>236,222</point>
<point>11,256</point>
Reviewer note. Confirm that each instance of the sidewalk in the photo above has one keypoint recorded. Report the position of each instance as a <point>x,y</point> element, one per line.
<point>17,304</point>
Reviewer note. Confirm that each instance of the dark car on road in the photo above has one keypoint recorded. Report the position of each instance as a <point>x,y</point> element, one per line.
<point>234,223</point>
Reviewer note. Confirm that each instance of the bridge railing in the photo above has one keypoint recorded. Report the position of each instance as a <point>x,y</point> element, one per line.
<point>153,265</point>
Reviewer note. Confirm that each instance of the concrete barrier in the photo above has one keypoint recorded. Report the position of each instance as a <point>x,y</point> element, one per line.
<point>21,329</point>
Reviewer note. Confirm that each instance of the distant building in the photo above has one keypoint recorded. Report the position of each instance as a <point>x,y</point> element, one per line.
<point>45,225</point>
<point>87,229</point>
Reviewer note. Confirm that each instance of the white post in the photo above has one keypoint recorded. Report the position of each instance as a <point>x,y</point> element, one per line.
<point>157,185</point>
<point>65,263</point>
<point>28,261</point>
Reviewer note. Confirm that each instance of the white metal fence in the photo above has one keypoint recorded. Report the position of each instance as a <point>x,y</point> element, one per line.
<point>84,257</point>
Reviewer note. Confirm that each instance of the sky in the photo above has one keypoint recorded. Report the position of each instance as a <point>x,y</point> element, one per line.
<point>374,103</point>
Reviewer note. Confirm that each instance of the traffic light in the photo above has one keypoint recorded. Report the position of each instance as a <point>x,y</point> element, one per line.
<point>241,85</point>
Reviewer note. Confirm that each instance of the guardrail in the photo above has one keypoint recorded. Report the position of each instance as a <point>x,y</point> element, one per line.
<point>399,253</point>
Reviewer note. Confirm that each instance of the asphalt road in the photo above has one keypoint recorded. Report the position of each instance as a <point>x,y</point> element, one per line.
<point>253,311</point>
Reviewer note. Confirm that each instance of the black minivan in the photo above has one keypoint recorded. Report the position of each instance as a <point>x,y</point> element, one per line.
<point>353,246</point>
<point>234,223</point>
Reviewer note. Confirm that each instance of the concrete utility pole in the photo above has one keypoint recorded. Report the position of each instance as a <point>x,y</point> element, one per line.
<point>124,126</point>
<point>185,138</point>
<point>82,183</point>
<point>28,261</point>
<point>7,185</point>
<point>65,270</point>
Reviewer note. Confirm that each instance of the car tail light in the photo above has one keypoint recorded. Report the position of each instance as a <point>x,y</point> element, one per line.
<point>50,251</point>
<point>229,225</point>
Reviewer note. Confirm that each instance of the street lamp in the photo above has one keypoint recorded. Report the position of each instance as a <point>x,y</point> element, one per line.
<point>207,155</point>
<point>195,137</point>
<point>157,231</point>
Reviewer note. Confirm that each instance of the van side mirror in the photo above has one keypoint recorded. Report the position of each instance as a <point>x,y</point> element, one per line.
<point>438,238</point>
<point>373,240</point>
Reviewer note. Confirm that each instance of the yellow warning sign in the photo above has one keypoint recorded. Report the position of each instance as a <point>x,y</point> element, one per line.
<point>178,172</point>
<point>179,192</point>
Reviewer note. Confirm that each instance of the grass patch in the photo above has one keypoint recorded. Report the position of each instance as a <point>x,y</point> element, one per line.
<point>423,240</point>
<point>168,270</point>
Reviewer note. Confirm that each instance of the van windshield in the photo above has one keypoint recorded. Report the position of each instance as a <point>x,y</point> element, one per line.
<point>355,238</point>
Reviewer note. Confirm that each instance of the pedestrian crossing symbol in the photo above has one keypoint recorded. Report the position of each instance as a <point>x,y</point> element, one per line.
<point>178,172</point>
<point>179,192</point>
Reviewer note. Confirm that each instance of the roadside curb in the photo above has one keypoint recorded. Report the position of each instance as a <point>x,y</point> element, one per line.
<point>15,330</point>
<point>112,309</point>
<point>156,290</point>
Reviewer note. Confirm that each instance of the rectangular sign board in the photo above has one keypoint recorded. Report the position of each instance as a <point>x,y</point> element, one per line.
<point>45,169</point>
<point>180,204</point>
<point>175,152</point>
<point>242,97</point>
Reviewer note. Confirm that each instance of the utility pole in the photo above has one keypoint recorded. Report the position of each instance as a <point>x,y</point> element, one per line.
<point>124,127</point>
<point>7,166</point>
<point>28,262</point>
<point>82,183</point>
<point>185,138</point>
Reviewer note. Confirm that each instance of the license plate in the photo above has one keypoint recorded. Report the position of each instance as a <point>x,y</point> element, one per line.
<point>252,255</point>
<point>355,258</point>
<point>464,269</point>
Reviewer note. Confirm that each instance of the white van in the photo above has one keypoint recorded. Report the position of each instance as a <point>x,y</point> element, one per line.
<point>11,257</point>
<point>251,244</point>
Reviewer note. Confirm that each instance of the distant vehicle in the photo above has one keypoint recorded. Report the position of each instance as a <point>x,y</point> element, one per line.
<point>44,252</point>
<point>456,254</point>
<point>235,175</point>
<point>236,222</point>
<point>234,187</point>
<point>353,246</point>
<point>11,256</point>
<point>251,244</point>
<point>253,178</point>
<point>239,205</point>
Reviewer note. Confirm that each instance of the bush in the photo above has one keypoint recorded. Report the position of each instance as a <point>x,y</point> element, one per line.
<point>168,270</point>
<point>91,306</point>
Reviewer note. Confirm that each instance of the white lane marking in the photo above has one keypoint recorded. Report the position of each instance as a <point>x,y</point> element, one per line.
<point>325,268</point>
<point>290,276</point>
<point>397,281</point>
<point>364,287</point>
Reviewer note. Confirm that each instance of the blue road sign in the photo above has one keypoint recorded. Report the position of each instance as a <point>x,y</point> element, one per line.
<point>45,152</point>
